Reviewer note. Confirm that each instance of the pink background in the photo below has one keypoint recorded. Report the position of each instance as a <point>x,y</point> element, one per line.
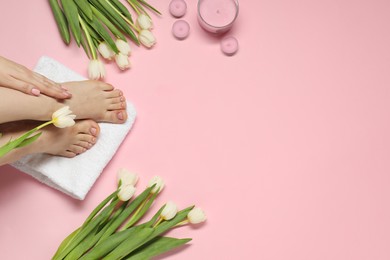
<point>285,145</point>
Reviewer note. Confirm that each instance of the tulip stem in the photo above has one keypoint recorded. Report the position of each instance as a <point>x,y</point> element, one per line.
<point>134,7</point>
<point>89,40</point>
<point>160,219</point>
<point>44,124</point>
<point>124,17</point>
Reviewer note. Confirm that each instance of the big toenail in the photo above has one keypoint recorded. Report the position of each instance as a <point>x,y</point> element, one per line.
<point>93,130</point>
<point>120,116</point>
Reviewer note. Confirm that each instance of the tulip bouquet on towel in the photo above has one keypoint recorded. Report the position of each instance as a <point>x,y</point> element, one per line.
<point>112,230</point>
<point>103,26</point>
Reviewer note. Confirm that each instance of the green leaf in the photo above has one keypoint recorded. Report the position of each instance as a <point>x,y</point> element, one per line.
<point>85,7</point>
<point>61,21</point>
<point>110,243</point>
<point>72,15</point>
<point>166,225</point>
<point>109,25</point>
<point>66,242</point>
<point>29,140</point>
<point>131,243</point>
<point>118,5</point>
<point>101,30</point>
<point>149,6</point>
<point>84,44</point>
<point>115,18</point>
<point>99,207</point>
<point>126,213</point>
<point>155,247</point>
<point>141,211</point>
<point>89,227</point>
<point>15,143</point>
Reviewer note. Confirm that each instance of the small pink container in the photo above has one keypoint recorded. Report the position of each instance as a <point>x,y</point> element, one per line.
<point>217,16</point>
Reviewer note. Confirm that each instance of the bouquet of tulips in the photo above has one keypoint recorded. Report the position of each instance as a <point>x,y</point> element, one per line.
<point>103,26</point>
<point>112,231</point>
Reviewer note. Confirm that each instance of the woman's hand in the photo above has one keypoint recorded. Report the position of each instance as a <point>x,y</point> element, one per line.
<point>18,77</point>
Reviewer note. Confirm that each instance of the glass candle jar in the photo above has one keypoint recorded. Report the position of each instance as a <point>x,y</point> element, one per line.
<point>217,16</point>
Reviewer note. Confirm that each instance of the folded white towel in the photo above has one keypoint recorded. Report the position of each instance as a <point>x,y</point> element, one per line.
<point>75,176</point>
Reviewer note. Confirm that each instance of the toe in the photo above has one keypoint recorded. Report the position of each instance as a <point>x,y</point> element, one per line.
<point>116,116</point>
<point>114,93</point>
<point>67,154</point>
<point>77,149</point>
<point>117,106</point>
<point>88,127</point>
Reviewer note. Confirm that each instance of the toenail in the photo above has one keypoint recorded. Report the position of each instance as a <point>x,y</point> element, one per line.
<point>122,99</point>
<point>35,92</point>
<point>93,140</point>
<point>93,130</point>
<point>120,116</point>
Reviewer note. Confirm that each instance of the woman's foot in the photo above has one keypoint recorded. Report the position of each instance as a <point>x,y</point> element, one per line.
<point>95,100</point>
<point>66,142</point>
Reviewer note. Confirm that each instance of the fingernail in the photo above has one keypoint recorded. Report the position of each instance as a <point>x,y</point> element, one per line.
<point>120,115</point>
<point>35,92</point>
<point>93,131</point>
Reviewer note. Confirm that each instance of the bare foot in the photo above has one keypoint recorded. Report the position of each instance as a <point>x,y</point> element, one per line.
<point>67,142</point>
<point>95,100</point>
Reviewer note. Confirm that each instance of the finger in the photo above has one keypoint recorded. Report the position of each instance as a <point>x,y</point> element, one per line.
<point>21,86</point>
<point>44,85</point>
<point>51,88</point>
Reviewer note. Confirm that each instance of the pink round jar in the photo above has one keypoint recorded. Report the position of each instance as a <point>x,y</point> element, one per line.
<point>217,16</point>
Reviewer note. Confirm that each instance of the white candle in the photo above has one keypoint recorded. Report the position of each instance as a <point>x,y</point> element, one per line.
<point>217,16</point>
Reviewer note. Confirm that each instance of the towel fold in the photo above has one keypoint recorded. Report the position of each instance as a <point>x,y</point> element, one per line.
<point>75,176</point>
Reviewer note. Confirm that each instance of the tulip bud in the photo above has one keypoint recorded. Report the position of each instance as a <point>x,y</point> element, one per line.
<point>122,61</point>
<point>147,38</point>
<point>196,215</point>
<point>156,180</point>
<point>169,211</point>
<point>123,47</point>
<point>63,117</point>
<point>106,51</point>
<point>126,177</point>
<point>96,69</point>
<point>126,192</point>
<point>144,22</point>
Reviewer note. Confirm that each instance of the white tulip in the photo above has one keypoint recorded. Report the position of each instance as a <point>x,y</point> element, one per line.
<point>144,22</point>
<point>147,38</point>
<point>126,192</point>
<point>122,61</point>
<point>96,69</point>
<point>196,215</point>
<point>106,51</point>
<point>123,47</point>
<point>159,182</point>
<point>169,211</point>
<point>63,117</point>
<point>125,177</point>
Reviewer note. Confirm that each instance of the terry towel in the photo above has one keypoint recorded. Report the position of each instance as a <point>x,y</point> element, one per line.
<point>75,176</point>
